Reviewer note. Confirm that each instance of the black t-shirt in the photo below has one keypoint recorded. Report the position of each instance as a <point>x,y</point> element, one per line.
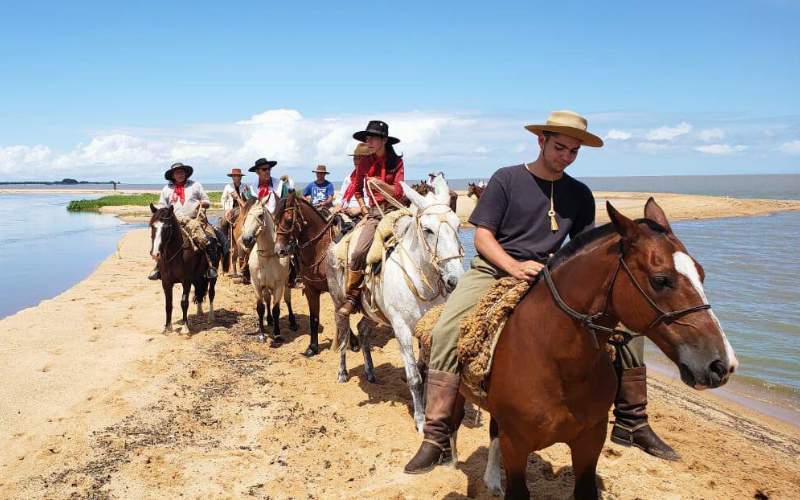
<point>515,204</point>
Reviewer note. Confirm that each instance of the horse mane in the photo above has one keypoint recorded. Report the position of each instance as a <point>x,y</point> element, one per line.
<point>584,241</point>
<point>249,204</point>
<point>158,215</point>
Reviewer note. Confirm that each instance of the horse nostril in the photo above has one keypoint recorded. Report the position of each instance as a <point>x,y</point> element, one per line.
<point>452,282</point>
<point>718,369</point>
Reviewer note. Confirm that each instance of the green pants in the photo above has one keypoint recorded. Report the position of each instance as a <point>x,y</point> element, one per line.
<point>471,287</point>
<point>631,355</point>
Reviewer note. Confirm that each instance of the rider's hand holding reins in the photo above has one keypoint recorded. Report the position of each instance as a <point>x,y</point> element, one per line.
<point>526,270</point>
<point>486,244</point>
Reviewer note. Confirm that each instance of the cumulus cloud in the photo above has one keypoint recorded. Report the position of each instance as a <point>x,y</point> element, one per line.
<point>651,147</point>
<point>712,134</point>
<point>721,149</point>
<point>792,148</point>
<point>669,133</point>
<point>619,135</point>
<point>21,159</point>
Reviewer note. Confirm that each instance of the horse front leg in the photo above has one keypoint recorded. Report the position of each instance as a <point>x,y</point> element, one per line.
<point>365,327</point>
<point>342,329</point>
<point>516,464</point>
<point>260,308</point>
<point>312,297</point>
<point>585,453</point>
<point>167,306</point>
<point>212,286</point>
<point>405,338</point>
<point>287,297</point>
<point>187,288</point>
<point>492,476</point>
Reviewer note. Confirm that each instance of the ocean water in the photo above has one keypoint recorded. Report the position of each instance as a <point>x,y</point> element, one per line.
<point>752,281</point>
<point>45,250</point>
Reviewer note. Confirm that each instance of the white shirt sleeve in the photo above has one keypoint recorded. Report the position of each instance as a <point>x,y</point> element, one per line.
<point>227,198</point>
<point>163,201</point>
<point>199,193</point>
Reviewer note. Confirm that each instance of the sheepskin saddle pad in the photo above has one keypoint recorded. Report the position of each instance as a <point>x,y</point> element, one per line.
<point>479,330</point>
<point>382,244</point>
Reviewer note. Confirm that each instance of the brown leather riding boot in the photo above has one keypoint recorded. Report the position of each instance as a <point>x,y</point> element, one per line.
<point>630,412</point>
<point>353,292</point>
<point>440,400</point>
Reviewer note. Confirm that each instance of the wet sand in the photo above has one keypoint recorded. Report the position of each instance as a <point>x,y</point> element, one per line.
<point>97,403</point>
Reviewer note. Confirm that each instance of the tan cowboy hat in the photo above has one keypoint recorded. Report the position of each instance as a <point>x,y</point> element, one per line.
<point>432,174</point>
<point>236,171</point>
<point>568,123</point>
<point>361,150</point>
<point>178,166</point>
<point>321,170</point>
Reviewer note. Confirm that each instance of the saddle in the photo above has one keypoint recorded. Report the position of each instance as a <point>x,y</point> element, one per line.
<point>479,331</point>
<point>383,242</point>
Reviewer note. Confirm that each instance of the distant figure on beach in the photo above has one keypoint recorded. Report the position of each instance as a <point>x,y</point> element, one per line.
<point>115,185</point>
<point>345,201</point>
<point>288,185</point>
<point>189,200</point>
<point>431,177</point>
<point>320,192</point>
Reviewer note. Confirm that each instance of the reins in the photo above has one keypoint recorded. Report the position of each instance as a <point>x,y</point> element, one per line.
<point>588,320</point>
<point>298,223</point>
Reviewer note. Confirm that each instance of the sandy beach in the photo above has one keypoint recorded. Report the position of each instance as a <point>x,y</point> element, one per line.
<point>98,404</point>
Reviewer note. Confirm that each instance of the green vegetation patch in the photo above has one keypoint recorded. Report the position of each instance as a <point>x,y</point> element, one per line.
<point>117,200</point>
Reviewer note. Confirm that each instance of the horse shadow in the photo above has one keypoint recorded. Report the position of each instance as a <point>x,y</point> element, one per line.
<point>225,318</point>
<point>544,479</point>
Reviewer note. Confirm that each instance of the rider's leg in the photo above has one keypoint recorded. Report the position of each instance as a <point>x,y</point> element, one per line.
<point>631,427</point>
<point>359,262</point>
<point>443,371</point>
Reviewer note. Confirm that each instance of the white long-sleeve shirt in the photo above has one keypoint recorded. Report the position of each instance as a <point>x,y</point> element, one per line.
<point>352,202</point>
<point>275,188</point>
<point>194,195</point>
<point>227,195</point>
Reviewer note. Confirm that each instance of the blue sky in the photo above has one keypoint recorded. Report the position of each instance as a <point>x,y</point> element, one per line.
<point>99,90</point>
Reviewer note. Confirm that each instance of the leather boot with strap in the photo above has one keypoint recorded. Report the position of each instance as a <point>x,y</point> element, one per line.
<point>440,400</point>
<point>630,411</point>
<point>352,292</point>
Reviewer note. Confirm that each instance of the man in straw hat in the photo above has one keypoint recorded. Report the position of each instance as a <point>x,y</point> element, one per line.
<point>188,198</point>
<point>346,201</point>
<point>233,198</point>
<point>320,192</point>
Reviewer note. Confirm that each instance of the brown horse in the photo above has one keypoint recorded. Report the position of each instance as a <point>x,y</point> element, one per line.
<point>474,190</point>
<point>304,230</point>
<point>425,188</point>
<point>179,263</point>
<point>552,380</point>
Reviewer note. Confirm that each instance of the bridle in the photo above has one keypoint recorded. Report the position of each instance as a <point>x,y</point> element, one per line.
<point>166,224</point>
<point>588,320</point>
<point>262,226</point>
<point>299,222</point>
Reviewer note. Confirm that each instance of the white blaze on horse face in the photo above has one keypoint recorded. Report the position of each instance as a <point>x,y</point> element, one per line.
<point>686,266</point>
<point>158,226</point>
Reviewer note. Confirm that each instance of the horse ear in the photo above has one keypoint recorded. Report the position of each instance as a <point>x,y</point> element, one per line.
<point>655,213</point>
<point>153,208</point>
<point>440,189</point>
<point>624,226</point>
<point>416,198</point>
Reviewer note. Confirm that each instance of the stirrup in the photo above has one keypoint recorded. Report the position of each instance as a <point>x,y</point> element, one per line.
<point>155,276</point>
<point>211,273</point>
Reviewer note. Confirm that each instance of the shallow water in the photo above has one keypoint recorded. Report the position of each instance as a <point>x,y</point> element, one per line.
<point>753,283</point>
<point>45,250</point>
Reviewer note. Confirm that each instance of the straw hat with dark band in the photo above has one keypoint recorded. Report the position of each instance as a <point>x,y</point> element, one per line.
<point>178,166</point>
<point>361,150</point>
<point>568,123</point>
<point>321,170</point>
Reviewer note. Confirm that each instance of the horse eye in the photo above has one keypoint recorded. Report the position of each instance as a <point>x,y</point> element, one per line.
<point>660,282</point>
<point>428,231</point>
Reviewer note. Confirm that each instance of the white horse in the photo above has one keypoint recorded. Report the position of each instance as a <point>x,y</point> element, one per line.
<point>418,275</point>
<point>268,272</point>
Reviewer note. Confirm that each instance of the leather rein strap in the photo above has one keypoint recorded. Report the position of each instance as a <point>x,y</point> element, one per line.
<point>588,320</point>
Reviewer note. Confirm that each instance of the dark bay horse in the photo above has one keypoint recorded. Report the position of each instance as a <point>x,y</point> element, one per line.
<point>179,263</point>
<point>552,380</point>
<point>304,230</point>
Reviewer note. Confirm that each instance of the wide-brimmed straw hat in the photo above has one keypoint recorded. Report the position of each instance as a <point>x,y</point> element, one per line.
<point>260,163</point>
<point>178,166</point>
<point>321,170</point>
<point>361,150</point>
<point>376,128</point>
<point>236,171</point>
<point>568,123</point>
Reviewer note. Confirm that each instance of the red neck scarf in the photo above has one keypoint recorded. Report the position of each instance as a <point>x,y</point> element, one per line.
<point>179,193</point>
<point>263,189</point>
<point>351,188</point>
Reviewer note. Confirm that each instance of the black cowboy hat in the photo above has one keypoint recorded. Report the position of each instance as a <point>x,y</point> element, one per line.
<point>378,129</point>
<point>260,163</point>
<point>178,166</point>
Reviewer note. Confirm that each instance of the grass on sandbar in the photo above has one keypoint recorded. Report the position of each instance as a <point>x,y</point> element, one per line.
<point>116,200</point>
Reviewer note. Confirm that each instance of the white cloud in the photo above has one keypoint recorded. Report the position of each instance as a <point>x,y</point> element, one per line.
<point>619,135</point>
<point>721,149</point>
<point>669,133</point>
<point>712,135</point>
<point>651,147</point>
<point>23,159</point>
<point>792,148</point>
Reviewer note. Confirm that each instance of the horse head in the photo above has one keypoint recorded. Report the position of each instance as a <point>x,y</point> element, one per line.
<point>258,220</point>
<point>659,293</point>
<point>286,219</point>
<point>438,231</point>
<point>471,189</point>
<point>161,225</point>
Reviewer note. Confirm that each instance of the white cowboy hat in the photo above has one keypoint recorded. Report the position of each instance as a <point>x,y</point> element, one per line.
<point>568,123</point>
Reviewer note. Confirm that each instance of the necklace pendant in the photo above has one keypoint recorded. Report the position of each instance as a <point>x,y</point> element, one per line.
<point>553,221</point>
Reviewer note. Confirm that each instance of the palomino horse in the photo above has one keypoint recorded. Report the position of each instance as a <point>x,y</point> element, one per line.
<point>421,271</point>
<point>306,232</point>
<point>552,380</point>
<point>268,272</point>
<point>179,263</point>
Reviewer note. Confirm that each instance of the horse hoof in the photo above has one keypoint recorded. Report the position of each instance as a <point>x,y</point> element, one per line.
<point>294,327</point>
<point>276,342</point>
<point>166,331</point>
<point>342,378</point>
<point>260,339</point>
<point>371,378</point>
<point>311,352</point>
<point>210,318</point>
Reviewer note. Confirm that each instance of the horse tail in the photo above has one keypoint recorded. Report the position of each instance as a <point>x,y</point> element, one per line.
<point>200,289</point>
